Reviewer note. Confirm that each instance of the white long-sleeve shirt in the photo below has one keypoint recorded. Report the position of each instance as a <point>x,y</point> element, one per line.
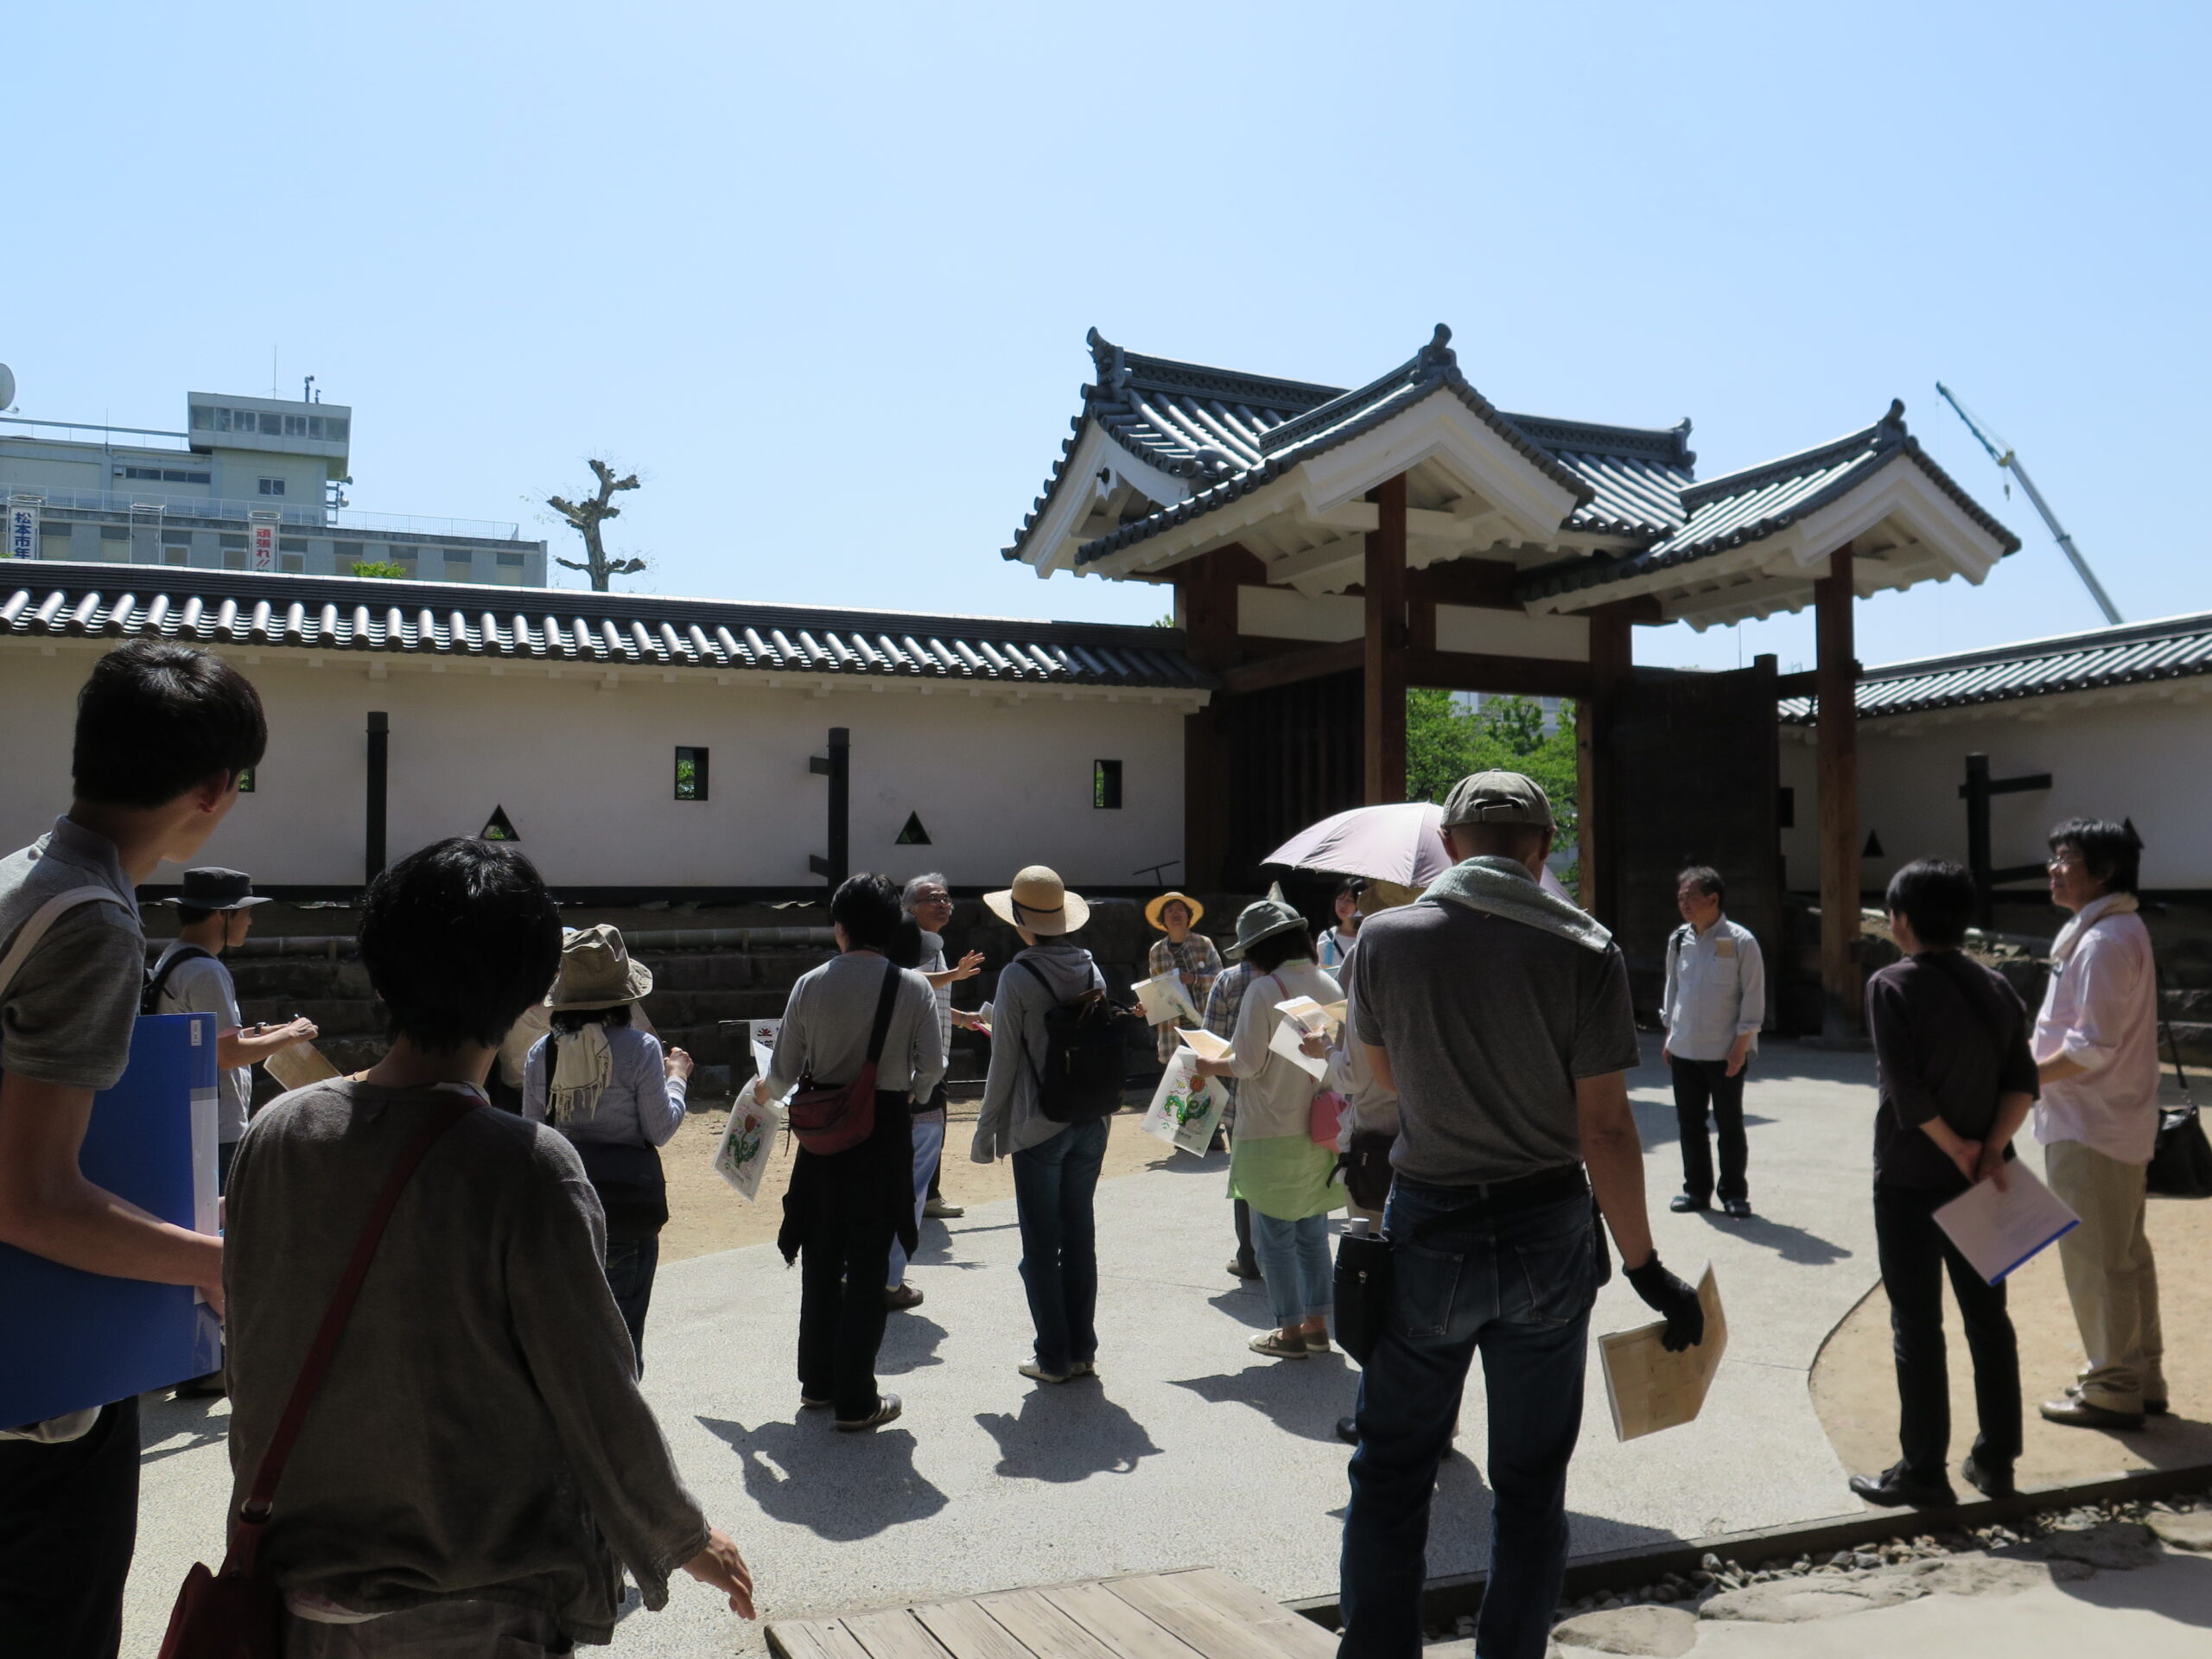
<point>2100,1011</point>
<point>1716,990</point>
<point>1273,1094</point>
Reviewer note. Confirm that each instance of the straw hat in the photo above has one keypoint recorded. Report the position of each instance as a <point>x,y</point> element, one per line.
<point>1039,902</point>
<point>1263,920</point>
<point>596,971</point>
<point>1152,911</point>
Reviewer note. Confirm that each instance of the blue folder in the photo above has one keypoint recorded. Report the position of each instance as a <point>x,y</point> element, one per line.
<point>76,1340</point>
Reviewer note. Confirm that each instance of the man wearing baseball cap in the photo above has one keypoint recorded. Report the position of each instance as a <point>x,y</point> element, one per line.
<point>1499,1014</point>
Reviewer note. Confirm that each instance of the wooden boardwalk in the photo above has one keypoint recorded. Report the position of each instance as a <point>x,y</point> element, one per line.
<point>1195,1613</point>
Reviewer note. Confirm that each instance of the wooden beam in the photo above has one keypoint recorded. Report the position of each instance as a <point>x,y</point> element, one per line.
<point>1611,662</point>
<point>1520,676</point>
<point>1485,582</point>
<point>1384,729</point>
<point>1835,673</point>
<point>1206,587</point>
<point>1808,684</point>
<point>1289,667</point>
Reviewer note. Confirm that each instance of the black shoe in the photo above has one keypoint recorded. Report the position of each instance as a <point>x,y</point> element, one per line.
<point>1348,1430</point>
<point>1737,1209</point>
<point>1991,1479</point>
<point>2156,1408</point>
<point>1897,1488</point>
<point>1682,1204</point>
<point>2072,1412</point>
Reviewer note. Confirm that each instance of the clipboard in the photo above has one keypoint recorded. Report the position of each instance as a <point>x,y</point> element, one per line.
<point>1649,1388</point>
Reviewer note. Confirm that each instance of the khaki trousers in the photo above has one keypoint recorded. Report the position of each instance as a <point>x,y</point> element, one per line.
<point>2110,1277</point>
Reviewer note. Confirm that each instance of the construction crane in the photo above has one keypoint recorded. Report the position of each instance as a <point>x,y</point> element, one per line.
<point>2003,454</point>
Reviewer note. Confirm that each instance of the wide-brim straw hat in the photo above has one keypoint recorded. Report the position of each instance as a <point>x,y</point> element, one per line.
<point>1152,911</point>
<point>1263,920</point>
<point>1039,902</point>
<point>596,971</point>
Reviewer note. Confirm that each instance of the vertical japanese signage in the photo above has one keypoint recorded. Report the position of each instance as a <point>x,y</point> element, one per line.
<point>264,546</point>
<point>22,530</point>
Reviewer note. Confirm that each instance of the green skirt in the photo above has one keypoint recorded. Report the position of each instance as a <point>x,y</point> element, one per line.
<point>1285,1176</point>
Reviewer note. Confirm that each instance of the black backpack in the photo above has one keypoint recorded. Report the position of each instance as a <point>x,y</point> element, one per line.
<point>1086,1055</point>
<point>150,1000</point>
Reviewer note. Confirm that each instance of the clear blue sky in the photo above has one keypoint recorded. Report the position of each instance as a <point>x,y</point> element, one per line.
<point>822,274</point>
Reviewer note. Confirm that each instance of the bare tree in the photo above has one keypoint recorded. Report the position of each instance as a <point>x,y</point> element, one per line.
<point>585,517</point>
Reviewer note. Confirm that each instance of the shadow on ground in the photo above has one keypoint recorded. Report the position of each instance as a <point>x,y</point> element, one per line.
<point>841,1487</point>
<point>1066,1432</point>
<point>2181,1590</point>
<point>1302,1396</point>
<point>161,1420</point>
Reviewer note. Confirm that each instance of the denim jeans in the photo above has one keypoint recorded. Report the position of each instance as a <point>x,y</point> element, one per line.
<point>1053,1184</point>
<point>630,1266</point>
<point>1699,1086</point>
<point>928,1145</point>
<point>1517,1288</point>
<point>1294,1265</point>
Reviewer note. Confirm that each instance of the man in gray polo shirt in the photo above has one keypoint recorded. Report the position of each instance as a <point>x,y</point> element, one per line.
<point>1500,1015</point>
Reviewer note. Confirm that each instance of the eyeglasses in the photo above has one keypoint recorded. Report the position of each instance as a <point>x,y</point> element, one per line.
<point>932,899</point>
<point>2065,861</point>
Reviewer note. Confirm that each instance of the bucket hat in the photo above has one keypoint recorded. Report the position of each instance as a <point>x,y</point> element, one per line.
<point>1039,902</point>
<point>215,889</point>
<point>1263,920</point>
<point>596,971</point>
<point>1152,911</point>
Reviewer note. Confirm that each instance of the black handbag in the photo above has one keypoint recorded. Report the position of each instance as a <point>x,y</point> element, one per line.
<point>2181,1168</point>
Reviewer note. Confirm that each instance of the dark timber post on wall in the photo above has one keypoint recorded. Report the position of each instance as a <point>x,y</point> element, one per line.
<point>1975,792</point>
<point>1208,590</point>
<point>837,767</point>
<point>379,761</point>
<point>1384,578</point>
<point>1611,663</point>
<point>1836,676</point>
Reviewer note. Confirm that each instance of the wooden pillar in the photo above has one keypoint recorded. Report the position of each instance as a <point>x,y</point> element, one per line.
<point>379,735</point>
<point>1597,793</point>
<point>1383,735</point>
<point>1836,675</point>
<point>1207,594</point>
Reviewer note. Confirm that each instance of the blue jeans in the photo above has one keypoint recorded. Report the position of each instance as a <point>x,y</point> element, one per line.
<point>929,1145</point>
<point>1053,1186</point>
<point>1517,1288</point>
<point>630,1265</point>
<point>1294,1257</point>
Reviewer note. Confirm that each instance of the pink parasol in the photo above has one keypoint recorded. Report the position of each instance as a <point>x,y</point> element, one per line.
<point>1403,842</point>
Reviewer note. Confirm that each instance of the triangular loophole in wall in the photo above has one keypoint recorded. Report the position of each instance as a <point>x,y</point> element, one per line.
<point>913,834</point>
<point>1873,847</point>
<point>497,826</point>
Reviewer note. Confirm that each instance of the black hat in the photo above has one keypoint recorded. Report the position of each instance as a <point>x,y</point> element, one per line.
<point>214,889</point>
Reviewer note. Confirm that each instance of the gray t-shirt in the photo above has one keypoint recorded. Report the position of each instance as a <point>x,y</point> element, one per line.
<point>66,1019</point>
<point>203,985</point>
<point>831,1016</point>
<point>1488,1024</point>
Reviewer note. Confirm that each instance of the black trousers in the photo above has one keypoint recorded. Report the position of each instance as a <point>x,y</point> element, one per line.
<point>68,1523</point>
<point>844,1260</point>
<point>1244,1256</point>
<point>1700,1086</point>
<point>1914,1254</point>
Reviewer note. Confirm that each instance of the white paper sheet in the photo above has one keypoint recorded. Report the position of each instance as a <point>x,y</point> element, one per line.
<point>1999,1231</point>
<point>1204,1043</point>
<point>741,1157</point>
<point>1649,1388</point>
<point>1185,1109</point>
<point>1164,999</point>
<point>1301,1016</point>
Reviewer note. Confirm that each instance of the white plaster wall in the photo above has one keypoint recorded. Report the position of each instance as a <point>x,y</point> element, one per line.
<point>2147,759</point>
<point>1494,632</point>
<point>585,774</point>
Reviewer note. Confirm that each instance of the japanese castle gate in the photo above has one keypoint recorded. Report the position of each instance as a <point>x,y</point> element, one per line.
<point>1329,548</point>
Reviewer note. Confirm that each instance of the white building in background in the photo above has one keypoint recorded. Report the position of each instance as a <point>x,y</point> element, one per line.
<point>249,483</point>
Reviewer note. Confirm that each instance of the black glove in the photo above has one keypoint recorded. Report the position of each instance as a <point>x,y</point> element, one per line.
<point>1673,1301</point>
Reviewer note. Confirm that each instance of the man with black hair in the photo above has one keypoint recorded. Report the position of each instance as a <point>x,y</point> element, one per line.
<point>1714,1005</point>
<point>162,732</point>
<point>515,1469</point>
<point>2097,1048</point>
<point>1956,1081</point>
<point>844,1210</point>
<point>1499,1014</point>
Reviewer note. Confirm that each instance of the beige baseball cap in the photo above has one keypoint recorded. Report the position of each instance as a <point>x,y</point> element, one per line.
<point>1498,798</point>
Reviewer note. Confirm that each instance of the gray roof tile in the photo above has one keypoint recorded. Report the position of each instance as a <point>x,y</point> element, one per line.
<point>352,614</point>
<point>2134,653</point>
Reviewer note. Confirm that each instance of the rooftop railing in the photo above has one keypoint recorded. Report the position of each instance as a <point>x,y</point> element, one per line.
<point>308,515</point>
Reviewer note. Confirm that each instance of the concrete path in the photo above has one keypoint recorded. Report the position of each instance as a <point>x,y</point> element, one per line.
<point>1190,1449</point>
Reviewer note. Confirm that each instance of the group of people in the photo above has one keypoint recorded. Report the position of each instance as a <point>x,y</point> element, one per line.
<point>1473,1102</point>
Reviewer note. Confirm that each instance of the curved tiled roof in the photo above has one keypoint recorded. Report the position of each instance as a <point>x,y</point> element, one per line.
<point>2133,653</point>
<point>1435,368</point>
<point>1747,505</point>
<point>1637,473</point>
<point>552,625</point>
